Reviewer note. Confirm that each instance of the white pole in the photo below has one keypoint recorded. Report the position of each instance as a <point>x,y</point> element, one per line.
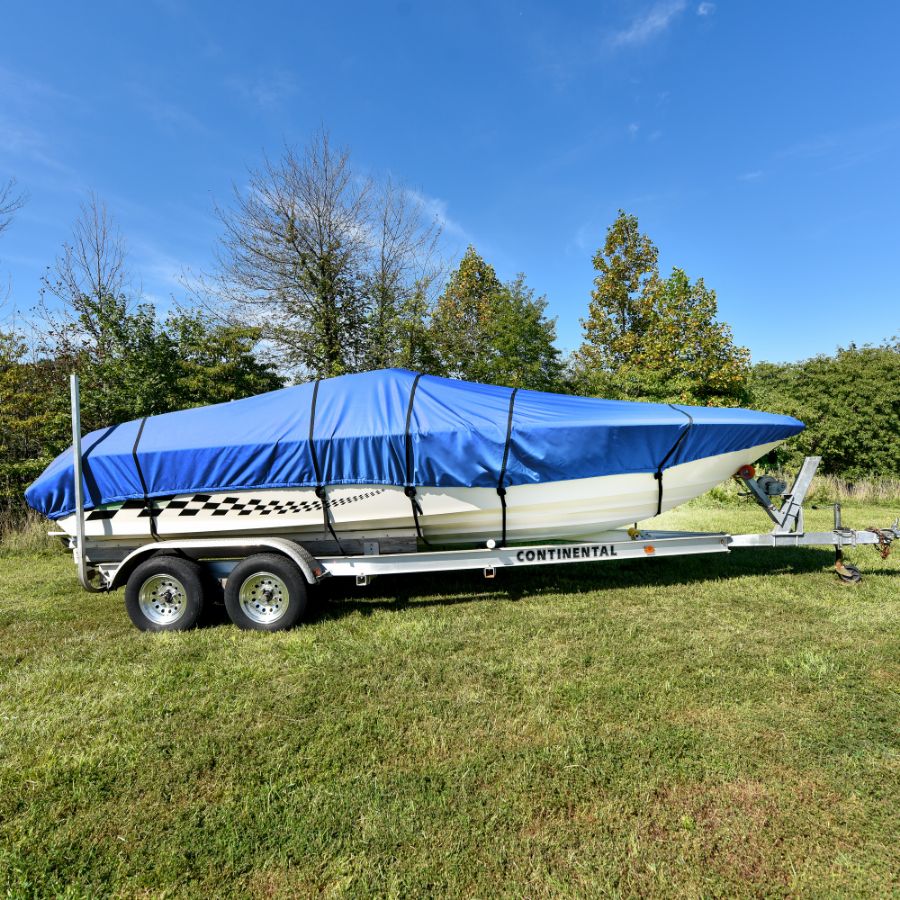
<point>79,492</point>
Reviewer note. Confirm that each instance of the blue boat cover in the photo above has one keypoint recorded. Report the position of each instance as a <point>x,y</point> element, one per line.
<point>457,439</point>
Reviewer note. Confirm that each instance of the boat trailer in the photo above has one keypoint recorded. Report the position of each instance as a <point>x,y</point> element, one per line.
<point>218,557</point>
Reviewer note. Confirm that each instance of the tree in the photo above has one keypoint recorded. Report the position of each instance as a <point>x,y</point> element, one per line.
<point>398,278</point>
<point>414,339</point>
<point>291,259</point>
<point>88,281</point>
<point>484,330</point>
<point>216,362</point>
<point>94,327</point>
<point>522,339</point>
<point>11,201</point>
<point>34,423</point>
<point>329,266</point>
<point>130,363</point>
<point>648,338</point>
<point>617,314</point>
<point>460,324</point>
<point>850,403</point>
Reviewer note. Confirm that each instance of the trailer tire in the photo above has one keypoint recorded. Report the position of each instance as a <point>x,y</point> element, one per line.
<point>847,574</point>
<point>165,593</point>
<point>266,592</point>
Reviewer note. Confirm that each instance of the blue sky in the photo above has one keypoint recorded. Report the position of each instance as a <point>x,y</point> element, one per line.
<point>758,143</point>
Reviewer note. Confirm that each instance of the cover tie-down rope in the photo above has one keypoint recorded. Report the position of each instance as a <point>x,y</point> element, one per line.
<point>409,487</point>
<point>137,464</point>
<point>658,474</point>
<point>501,487</point>
<point>320,485</point>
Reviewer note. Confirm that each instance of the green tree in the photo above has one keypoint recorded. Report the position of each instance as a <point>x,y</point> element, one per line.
<point>414,346</point>
<point>324,262</point>
<point>34,421</point>
<point>130,364</point>
<point>850,403</point>
<point>522,337</point>
<point>399,274</point>
<point>216,362</point>
<point>462,317</point>
<point>151,369</point>
<point>487,331</point>
<point>649,338</point>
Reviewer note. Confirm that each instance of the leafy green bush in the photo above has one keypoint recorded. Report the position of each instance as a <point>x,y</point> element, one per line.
<point>155,368</point>
<point>850,403</point>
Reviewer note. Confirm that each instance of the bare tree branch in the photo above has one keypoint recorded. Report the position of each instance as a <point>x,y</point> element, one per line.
<point>320,259</point>
<point>403,262</point>
<point>11,201</point>
<point>89,280</point>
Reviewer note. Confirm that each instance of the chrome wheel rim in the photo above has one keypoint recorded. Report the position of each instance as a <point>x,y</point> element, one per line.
<point>264,598</point>
<point>163,599</point>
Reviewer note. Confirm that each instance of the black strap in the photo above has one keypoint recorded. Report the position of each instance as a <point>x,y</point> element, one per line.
<point>658,475</point>
<point>409,487</point>
<point>137,464</point>
<point>501,487</point>
<point>321,493</point>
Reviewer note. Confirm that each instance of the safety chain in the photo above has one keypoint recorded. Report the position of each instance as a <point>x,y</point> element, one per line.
<point>883,547</point>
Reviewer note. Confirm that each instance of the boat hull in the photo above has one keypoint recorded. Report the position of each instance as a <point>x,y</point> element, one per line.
<point>576,509</point>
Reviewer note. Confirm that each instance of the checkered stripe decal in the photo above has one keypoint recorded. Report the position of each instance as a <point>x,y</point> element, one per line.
<point>206,504</point>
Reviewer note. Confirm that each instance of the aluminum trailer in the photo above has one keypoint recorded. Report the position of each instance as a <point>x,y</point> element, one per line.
<point>266,579</point>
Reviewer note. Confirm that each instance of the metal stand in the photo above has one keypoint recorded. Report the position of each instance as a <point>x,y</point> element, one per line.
<point>84,574</point>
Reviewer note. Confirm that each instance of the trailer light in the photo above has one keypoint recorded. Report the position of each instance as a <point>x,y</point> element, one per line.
<point>649,549</point>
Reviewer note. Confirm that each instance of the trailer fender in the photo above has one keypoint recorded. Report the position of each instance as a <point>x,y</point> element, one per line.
<point>221,548</point>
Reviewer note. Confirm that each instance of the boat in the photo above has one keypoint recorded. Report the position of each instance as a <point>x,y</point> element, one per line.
<point>403,459</point>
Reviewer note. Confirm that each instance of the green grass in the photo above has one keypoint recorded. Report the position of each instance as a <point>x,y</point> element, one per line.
<point>710,726</point>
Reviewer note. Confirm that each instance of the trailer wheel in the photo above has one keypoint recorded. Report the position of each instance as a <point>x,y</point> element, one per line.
<point>266,592</point>
<point>847,574</point>
<point>165,593</point>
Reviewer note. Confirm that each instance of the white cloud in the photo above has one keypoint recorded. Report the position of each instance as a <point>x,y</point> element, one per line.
<point>265,91</point>
<point>168,115</point>
<point>160,268</point>
<point>29,104</point>
<point>654,22</point>
<point>633,129</point>
<point>585,236</point>
<point>706,9</point>
<point>751,176</point>
<point>436,209</point>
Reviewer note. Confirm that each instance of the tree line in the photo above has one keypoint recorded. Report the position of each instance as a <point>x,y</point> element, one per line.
<point>320,271</point>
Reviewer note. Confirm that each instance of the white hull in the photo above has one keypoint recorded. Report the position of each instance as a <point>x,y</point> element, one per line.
<point>578,509</point>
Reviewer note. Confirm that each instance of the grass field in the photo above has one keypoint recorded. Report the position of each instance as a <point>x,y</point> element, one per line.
<point>711,726</point>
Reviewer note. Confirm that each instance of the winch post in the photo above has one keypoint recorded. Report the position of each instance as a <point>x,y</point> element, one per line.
<point>788,519</point>
<point>792,508</point>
